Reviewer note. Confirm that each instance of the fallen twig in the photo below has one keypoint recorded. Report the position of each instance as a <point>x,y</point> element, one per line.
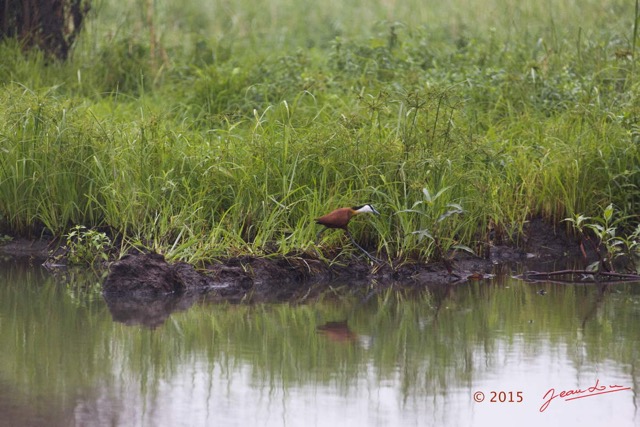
<point>594,275</point>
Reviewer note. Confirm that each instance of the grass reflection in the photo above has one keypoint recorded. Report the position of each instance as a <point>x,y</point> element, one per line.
<point>423,342</point>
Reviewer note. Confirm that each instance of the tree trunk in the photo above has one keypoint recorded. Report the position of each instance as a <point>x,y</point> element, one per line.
<point>50,25</point>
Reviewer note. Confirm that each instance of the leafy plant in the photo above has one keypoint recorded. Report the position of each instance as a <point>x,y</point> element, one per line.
<point>87,246</point>
<point>601,233</point>
<point>445,244</point>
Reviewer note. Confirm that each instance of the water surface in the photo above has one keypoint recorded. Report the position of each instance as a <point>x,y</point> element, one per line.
<point>374,356</point>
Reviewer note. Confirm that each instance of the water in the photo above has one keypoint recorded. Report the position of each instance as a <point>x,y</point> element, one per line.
<point>344,357</point>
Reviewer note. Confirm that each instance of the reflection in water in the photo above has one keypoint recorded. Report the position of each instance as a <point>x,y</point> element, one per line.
<point>145,310</point>
<point>17,410</point>
<point>395,357</point>
<point>337,332</point>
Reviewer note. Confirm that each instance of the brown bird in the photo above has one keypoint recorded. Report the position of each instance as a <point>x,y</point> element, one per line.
<point>340,218</point>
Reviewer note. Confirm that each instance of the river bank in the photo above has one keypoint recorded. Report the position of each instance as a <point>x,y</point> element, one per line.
<point>279,277</point>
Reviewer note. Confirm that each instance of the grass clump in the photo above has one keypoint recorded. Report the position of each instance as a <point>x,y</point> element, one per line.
<point>202,146</point>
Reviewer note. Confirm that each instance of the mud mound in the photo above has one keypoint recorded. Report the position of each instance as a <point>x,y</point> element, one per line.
<point>149,273</point>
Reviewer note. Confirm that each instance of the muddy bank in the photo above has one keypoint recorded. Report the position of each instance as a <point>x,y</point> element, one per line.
<point>149,275</point>
<point>278,277</point>
<point>24,248</point>
<point>145,289</point>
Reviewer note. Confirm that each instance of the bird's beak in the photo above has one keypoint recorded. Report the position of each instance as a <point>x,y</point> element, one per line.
<point>375,211</point>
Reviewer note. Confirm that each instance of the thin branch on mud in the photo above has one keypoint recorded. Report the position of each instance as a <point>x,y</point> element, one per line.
<point>593,276</point>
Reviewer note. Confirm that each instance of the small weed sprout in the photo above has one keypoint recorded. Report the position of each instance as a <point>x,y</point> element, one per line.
<point>87,246</point>
<point>601,234</point>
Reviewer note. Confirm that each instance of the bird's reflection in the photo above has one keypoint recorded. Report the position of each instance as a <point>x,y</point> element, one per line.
<point>338,332</point>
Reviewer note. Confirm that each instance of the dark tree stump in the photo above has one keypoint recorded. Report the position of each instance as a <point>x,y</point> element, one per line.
<point>50,25</point>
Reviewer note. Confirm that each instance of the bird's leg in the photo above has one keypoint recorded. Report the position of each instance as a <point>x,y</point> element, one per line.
<point>371,257</point>
<point>319,234</point>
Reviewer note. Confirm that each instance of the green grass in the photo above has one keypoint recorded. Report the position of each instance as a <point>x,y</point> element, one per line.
<point>241,127</point>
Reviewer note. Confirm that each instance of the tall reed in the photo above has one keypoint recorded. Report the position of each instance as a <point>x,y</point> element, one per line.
<point>235,143</point>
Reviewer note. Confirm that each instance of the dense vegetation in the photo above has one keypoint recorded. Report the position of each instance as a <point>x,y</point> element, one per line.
<point>209,129</point>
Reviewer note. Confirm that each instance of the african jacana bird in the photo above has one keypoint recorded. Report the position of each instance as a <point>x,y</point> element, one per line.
<point>340,218</point>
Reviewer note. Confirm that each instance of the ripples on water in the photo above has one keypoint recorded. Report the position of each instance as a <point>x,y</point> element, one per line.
<point>374,356</point>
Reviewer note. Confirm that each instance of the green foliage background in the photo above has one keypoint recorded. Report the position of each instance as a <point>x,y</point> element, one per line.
<point>207,129</point>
